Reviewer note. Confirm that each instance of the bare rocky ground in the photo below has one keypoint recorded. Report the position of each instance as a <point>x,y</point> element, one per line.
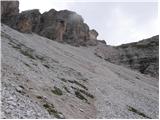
<point>42,78</point>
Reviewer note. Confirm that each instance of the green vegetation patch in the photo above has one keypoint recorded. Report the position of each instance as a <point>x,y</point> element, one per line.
<point>52,111</point>
<point>79,95</point>
<point>66,89</point>
<point>28,53</point>
<point>137,112</point>
<point>84,92</point>
<point>39,97</point>
<point>27,65</point>
<point>23,49</point>
<point>47,66</point>
<point>98,55</point>
<point>63,79</point>
<point>79,84</point>
<point>57,91</point>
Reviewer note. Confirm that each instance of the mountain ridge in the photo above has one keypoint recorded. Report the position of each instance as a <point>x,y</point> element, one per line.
<point>48,77</point>
<point>142,56</point>
<point>62,26</point>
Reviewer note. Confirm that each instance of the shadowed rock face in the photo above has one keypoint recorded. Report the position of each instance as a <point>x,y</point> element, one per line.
<point>142,56</point>
<point>67,26</point>
<point>9,12</point>
<point>29,21</point>
<point>9,8</point>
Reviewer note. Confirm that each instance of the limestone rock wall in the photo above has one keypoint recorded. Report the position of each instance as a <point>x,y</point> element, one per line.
<point>9,12</point>
<point>142,56</point>
<point>63,26</point>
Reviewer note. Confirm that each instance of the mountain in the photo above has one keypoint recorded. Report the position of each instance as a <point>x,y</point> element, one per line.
<point>71,75</point>
<point>62,26</point>
<point>142,56</point>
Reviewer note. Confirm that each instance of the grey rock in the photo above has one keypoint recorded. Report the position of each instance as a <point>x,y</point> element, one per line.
<point>93,38</point>
<point>63,26</point>
<point>142,56</point>
<point>29,21</point>
<point>9,12</point>
<point>9,8</point>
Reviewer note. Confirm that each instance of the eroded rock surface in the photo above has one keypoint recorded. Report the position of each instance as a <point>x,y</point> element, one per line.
<point>9,12</point>
<point>142,56</point>
<point>29,21</point>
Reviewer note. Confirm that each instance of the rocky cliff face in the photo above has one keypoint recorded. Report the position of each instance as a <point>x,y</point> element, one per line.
<point>9,12</point>
<point>142,56</point>
<point>28,21</point>
<point>9,8</point>
<point>63,26</point>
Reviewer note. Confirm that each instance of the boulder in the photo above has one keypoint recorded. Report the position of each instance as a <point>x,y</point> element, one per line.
<point>29,21</point>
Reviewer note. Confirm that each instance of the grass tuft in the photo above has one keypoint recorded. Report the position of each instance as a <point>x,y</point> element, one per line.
<point>39,97</point>
<point>79,84</point>
<point>52,111</point>
<point>63,79</point>
<point>57,91</point>
<point>66,89</point>
<point>137,112</point>
<point>84,92</point>
<point>80,96</point>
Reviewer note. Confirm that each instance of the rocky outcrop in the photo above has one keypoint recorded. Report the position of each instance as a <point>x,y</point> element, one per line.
<point>29,21</point>
<point>9,8</point>
<point>142,56</point>
<point>93,37</point>
<point>93,34</point>
<point>9,12</point>
<point>63,26</point>
<point>52,26</point>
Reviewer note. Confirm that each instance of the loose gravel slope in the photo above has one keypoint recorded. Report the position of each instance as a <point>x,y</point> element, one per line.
<point>45,79</point>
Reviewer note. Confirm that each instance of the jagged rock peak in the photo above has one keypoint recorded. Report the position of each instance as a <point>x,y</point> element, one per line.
<point>63,26</point>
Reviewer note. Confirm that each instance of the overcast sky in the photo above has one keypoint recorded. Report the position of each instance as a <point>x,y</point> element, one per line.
<point>116,22</point>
